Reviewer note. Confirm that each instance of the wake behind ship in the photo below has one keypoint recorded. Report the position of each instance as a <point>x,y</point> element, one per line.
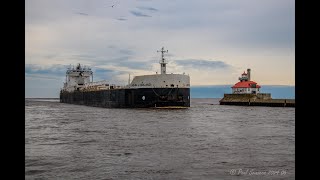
<point>156,90</point>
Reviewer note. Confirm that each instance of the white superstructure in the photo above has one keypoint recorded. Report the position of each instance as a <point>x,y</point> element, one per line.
<point>77,77</point>
<point>81,78</point>
<point>162,80</point>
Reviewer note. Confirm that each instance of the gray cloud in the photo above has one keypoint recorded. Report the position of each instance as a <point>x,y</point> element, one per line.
<point>53,70</point>
<point>121,19</point>
<point>139,14</point>
<point>113,56</point>
<point>41,76</point>
<point>124,61</point>
<point>111,46</point>
<point>58,72</point>
<point>138,65</point>
<point>123,57</point>
<point>202,64</point>
<point>83,56</point>
<point>147,8</point>
<point>104,74</point>
<point>126,52</point>
<point>83,14</point>
<point>242,32</point>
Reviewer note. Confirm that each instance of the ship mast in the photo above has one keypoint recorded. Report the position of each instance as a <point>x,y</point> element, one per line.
<point>162,62</point>
<point>129,80</point>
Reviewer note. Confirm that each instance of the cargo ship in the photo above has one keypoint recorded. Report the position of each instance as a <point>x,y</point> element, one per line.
<point>160,90</point>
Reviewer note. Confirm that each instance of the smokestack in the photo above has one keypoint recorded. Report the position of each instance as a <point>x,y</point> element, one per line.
<point>249,74</point>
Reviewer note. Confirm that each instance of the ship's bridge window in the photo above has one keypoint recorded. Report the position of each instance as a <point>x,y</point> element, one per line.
<point>172,85</point>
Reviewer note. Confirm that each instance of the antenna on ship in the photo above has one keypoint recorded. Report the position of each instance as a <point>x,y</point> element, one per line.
<point>129,80</point>
<point>162,62</point>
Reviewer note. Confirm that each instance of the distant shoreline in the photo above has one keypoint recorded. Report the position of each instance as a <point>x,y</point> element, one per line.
<point>204,91</point>
<point>40,98</point>
<point>191,98</point>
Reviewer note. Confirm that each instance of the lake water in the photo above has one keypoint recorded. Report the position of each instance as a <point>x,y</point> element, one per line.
<point>205,141</point>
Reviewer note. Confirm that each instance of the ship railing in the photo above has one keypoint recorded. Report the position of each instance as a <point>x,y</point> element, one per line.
<point>98,83</point>
<point>101,87</point>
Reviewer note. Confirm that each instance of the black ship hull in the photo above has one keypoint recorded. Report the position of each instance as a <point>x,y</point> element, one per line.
<point>130,98</point>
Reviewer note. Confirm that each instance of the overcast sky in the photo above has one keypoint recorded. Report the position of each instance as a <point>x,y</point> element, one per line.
<point>213,41</point>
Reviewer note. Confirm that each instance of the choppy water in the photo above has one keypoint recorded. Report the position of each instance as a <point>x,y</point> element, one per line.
<point>206,141</point>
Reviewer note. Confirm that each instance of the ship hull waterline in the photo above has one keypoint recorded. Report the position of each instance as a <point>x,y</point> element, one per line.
<point>172,98</point>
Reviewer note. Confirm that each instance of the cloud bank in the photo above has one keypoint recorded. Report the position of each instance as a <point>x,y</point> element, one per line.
<point>213,41</point>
